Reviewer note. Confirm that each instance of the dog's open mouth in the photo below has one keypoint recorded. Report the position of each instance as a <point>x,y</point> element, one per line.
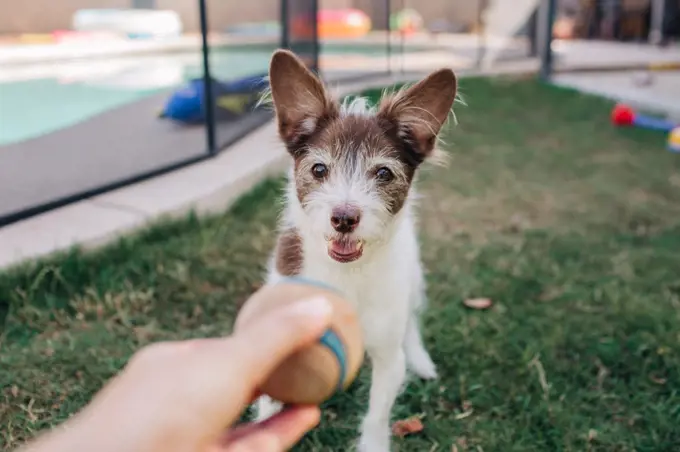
<point>345,249</point>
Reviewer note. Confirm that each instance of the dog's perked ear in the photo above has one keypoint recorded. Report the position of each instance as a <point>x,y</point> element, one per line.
<point>300,100</point>
<point>416,114</point>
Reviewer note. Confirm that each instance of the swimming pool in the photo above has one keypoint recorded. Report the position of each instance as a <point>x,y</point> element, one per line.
<point>37,100</point>
<point>31,106</point>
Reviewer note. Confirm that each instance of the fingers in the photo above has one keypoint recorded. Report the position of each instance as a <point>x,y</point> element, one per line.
<point>226,373</point>
<point>276,434</point>
<point>214,379</point>
<point>257,348</point>
<point>266,342</point>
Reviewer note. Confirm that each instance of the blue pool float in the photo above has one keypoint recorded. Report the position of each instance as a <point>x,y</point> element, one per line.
<point>232,99</point>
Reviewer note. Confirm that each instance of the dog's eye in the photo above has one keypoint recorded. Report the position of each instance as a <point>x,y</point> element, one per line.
<point>319,170</point>
<point>384,174</point>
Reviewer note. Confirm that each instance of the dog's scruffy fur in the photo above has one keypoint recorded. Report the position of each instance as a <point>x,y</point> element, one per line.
<point>349,218</point>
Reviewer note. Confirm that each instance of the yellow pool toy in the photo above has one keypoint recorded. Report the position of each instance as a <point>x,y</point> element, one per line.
<point>674,140</point>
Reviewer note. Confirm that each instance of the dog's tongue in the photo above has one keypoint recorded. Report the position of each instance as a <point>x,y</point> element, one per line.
<point>345,247</point>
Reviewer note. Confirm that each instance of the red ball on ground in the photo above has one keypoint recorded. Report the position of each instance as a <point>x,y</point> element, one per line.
<point>623,115</point>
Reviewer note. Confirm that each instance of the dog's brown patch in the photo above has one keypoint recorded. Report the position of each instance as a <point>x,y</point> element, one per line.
<point>289,258</point>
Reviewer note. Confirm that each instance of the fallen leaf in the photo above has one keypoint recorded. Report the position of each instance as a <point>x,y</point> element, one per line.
<point>550,293</point>
<point>478,303</point>
<point>407,426</point>
<point>658,380</point>
<point>463,415</point>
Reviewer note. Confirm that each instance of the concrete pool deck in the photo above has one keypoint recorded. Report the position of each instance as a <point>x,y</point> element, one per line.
<point>661,95</point>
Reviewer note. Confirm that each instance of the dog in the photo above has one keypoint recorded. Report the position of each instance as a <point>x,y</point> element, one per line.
<point>349,216</point>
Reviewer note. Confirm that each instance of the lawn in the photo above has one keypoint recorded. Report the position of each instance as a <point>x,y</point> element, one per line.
<point>571,227</point>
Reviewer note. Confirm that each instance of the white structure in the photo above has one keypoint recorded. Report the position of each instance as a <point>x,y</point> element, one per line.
<point>129,22</point>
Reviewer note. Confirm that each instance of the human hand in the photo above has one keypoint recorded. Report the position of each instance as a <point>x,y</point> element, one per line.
<point>186,395</point>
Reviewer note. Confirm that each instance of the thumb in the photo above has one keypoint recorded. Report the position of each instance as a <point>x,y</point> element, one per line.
<point>266,342</point>
<point>226,373</point>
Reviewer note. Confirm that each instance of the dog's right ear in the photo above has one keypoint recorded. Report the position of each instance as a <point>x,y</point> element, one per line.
<point>300,99</point>
<point>419,112</point>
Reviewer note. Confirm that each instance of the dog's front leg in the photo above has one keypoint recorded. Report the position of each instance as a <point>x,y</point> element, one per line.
<point>266,407</point>
<point>389,370</point>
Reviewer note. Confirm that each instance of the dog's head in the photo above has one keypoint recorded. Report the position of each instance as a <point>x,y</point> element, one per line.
<point>354,164</point>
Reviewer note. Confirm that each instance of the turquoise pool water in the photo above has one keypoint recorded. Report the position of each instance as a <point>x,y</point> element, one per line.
<point>37,106</point>
<point>31,106</point>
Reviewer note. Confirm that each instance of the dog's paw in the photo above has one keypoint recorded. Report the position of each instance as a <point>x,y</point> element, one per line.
<point>375,437</point>
<point>266,408</point>
<point>423,367</point>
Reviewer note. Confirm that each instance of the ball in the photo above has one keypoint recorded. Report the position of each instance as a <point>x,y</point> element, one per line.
<point>622,115</point>
<point>674,140</point>
<point>312,375</point>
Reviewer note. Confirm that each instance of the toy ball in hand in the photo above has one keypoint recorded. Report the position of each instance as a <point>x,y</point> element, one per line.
<point>623,115</point>
<point>312,375</point>
<point>674,140</point>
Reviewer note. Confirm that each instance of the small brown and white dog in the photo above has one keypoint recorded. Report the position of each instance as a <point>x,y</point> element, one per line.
<point>349,216</point>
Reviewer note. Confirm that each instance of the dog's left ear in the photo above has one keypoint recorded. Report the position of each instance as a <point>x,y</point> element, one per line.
<point>300,99</point>
<point>419,112</point>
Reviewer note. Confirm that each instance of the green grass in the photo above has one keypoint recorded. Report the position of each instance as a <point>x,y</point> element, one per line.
<point>570,226</point>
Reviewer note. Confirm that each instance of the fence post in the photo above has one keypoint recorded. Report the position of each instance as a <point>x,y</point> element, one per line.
<point>388,13</point>
<point>548,8</point>
<point>305,45</point>
<point>285,30</point>
<point>481,33</point>
<point>316,47</point>
<point>207,80</point>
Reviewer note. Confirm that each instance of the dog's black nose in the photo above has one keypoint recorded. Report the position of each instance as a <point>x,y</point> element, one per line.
<point>345,219</point>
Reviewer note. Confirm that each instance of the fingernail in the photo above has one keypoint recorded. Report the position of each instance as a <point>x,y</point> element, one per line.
<point>316,307</point>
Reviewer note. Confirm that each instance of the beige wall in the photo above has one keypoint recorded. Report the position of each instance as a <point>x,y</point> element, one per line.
<point>44,16</point>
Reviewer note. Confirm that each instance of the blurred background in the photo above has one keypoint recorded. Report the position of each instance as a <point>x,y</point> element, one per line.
<point>95,94</point>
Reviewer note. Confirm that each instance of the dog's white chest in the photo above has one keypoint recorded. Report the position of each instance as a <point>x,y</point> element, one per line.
<point>379,294</point>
